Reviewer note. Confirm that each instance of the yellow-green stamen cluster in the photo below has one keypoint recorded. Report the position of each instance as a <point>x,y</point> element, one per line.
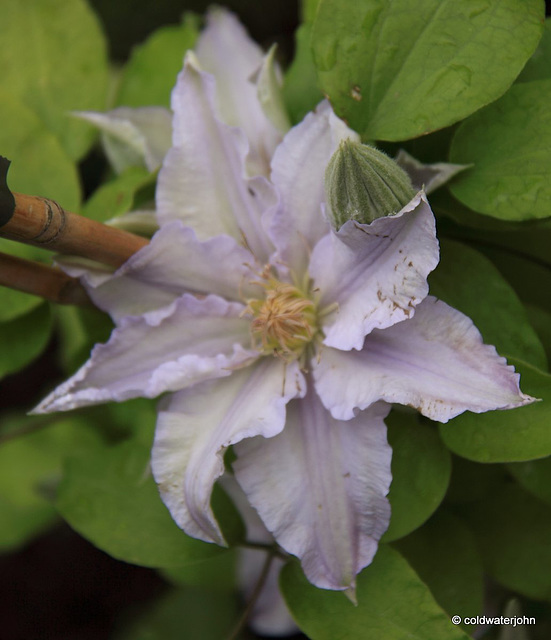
<point>284,322</point>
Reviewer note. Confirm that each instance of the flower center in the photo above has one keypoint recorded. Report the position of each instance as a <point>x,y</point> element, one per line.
<point>284,322</point>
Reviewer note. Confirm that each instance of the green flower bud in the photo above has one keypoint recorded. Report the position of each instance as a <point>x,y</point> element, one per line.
<point>362,183</point>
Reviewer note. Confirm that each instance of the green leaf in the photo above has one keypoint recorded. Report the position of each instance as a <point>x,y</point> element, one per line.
<point>530,277</point>
<point>79,330</point>
<point>506,436</point>
<point>472,481</point>
<point>468,281</point>
<point>447,208</point>
<point>118,422</point>
<point>40,166</point>
<point>30,460</point>
<point>444,555</point>
<point>531,239</point>
<point>117,196</point>
<point>23,339</point>
<point>393,603</point>
<point>513,530</point>
<point>151,72</point>
<point>130,419</point>
<point>14,304</point>
<point>539,65</point>
<point>185,614</point>
<point>228,517</point>
<point>421,469</point>
<point>300,89</point>
<point>26,251</point>
<point>215,573</point>
<point>111,499</point>
<point>509,143</point>
<point>541,321</point>
<point>308,10</point>
<point>534,476</point>
<point>394,71</point>
<point>432,148</point>
<point>53,58</point>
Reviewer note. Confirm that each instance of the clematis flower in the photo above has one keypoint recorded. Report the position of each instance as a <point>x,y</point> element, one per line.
<point>133,137</point>
<point>269,331</point>
<point>269,615</point>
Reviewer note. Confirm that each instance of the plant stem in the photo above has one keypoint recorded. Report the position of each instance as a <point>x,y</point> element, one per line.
<point>241,624</point>
<point>41,280</point>
<point>261,546</point>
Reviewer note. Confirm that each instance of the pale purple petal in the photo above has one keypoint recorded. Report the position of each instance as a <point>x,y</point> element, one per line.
<point>270,615</point>
<point>225,50</point>
<point>374,274</point>
<point>133,137</point>
<point>197,425</point>
<point>270,94</point>
<point>320,487</point>
<point>143,222</point>
<point>202,181</point>
<point>118,295</point>
<point>174,262</point>
<point>428,177</point>
<point>186,342</point>
<point>435,362</point>
<point>298,171</point>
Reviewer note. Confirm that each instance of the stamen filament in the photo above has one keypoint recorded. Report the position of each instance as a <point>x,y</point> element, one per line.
<point>284,322</point>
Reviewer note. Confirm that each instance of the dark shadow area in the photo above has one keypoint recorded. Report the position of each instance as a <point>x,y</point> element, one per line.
<point>60,587</point>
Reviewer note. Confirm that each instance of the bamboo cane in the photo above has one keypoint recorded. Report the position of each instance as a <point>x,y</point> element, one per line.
<point>41,280</point>
<point>43,223</point>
